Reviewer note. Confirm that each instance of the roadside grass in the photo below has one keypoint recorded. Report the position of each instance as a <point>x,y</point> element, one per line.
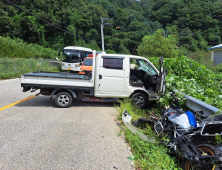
<point>13,68</point>
<point>136,113</point>
<point>152,156</point>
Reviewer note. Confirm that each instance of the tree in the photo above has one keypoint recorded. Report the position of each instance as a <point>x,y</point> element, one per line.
<point>156,45</point>
<point>136,26</point>
<point>70,40</point>
<point>196,24</point>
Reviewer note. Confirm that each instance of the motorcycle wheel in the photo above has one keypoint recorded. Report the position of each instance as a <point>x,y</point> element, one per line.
<point>207,150</point>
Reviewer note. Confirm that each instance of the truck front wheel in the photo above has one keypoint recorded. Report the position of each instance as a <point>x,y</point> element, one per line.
<point>139,100</point>
<point>63,99</point>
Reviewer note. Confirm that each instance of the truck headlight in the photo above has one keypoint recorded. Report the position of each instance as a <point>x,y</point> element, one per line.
<point>77,65</point>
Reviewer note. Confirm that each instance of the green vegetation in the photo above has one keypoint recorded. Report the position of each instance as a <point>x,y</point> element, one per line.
<point>157,45</point>
<point>202,57</point>
<point>218,68</point>
<point>16,48</point>
<point>18,57</point>
<point>194,24</point>
<point>152,156</point>
<point>193,79</point>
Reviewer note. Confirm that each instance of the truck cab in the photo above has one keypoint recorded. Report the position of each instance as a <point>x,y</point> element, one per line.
<point>123,76</point>
<point>113,76</point>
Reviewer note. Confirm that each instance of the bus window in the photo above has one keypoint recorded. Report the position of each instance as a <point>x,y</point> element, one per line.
<point>89,53</point>
<point>75,56</point>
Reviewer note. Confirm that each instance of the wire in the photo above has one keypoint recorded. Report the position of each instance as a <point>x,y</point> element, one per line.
<point>60,23</point>
<point>56,25</point>
<point>49,22</point>
<point>66,25</point>
<point>25,2</point>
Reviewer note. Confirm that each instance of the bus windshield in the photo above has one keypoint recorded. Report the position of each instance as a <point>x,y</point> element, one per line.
<point>74,56</point>
<point>71,56</point>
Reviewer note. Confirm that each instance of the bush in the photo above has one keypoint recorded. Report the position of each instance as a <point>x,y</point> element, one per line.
<point>16,48</point>
<point>157,45</point>
<point>193,79</point>
<point>218,68</point>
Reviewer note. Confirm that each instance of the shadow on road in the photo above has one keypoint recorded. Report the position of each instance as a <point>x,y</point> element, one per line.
<point>44,101</point>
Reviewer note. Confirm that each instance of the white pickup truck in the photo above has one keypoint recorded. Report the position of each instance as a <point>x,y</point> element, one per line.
<point>113,76</point>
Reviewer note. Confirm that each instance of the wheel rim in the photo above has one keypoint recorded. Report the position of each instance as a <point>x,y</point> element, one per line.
<point>63,100</point>
<point>188,165</point>
<point>139,101</point>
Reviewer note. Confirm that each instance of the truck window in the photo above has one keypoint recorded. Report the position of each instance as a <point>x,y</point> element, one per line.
<point>144,65</point>
<point>113,63</point>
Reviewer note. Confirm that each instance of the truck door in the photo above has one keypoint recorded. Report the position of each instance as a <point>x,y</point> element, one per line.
<point>161,82</point>
<point>111,75</point>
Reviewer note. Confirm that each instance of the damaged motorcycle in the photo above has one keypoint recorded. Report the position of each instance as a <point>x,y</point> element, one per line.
<point>191,137</point>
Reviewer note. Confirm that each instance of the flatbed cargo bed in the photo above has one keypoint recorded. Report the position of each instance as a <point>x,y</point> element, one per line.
<point>64,75</point>
<point>55,80</point>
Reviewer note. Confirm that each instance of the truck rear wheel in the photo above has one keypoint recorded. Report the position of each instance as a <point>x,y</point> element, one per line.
<point>63,99</point>
<point>139,100</point>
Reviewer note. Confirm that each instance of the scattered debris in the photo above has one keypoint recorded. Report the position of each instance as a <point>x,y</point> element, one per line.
<point>126,117</point>
<point>131,158</point>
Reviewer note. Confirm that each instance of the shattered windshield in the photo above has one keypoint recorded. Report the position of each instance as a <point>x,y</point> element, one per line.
<point>144,65</point>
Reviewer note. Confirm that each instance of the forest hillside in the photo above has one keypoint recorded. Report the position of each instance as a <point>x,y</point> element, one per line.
<point>195,24</point>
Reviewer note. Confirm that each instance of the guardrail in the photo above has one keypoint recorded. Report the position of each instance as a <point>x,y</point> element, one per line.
<point>197,105</point>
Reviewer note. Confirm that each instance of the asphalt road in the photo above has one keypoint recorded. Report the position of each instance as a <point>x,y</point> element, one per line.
<point>36,134</point>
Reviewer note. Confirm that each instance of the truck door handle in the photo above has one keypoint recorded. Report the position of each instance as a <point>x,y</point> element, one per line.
<point>100,76</point>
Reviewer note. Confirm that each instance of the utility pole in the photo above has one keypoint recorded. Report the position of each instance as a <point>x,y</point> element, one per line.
<point>102,34</point>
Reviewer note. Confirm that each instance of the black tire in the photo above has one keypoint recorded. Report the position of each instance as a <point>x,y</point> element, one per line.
<point>63,99</point>
<point>139,100</point>
<point>209,150</point>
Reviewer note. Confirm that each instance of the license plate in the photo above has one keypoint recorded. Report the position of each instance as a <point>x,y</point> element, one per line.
<point>69,68</point>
